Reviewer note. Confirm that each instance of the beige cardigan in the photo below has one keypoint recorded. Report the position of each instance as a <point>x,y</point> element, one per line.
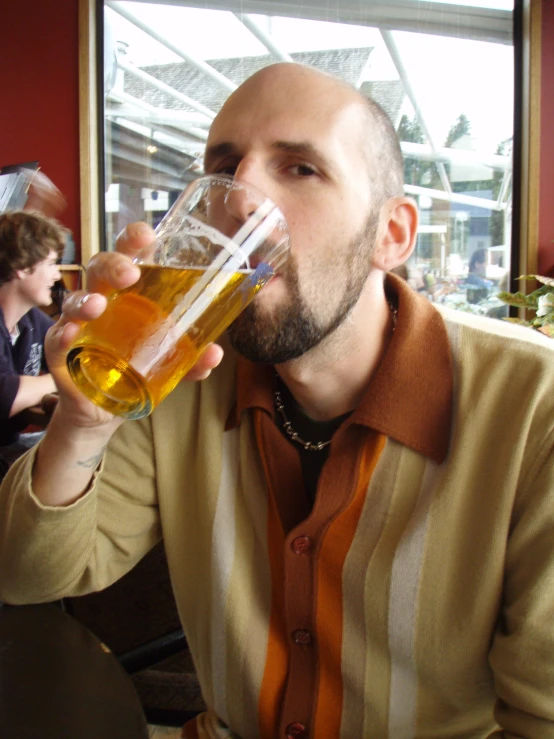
<point>427,597</point>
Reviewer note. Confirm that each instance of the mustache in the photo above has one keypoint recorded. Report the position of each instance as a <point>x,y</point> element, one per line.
<point>288,270</point>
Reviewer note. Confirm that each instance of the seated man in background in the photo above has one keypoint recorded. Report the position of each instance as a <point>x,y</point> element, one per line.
<point>30,246</point>
<point>477,270</point>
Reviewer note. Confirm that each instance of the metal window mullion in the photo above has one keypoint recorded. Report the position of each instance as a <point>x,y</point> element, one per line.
<point>198,63</point>
<point>163,87</point>
<point>403,74</point>
<point>460,21</point>
<point>454,197</point>
<point>162,115</point>
<point>456,156</point>
<point>249,23</point>
<point>130,100</point>
<point>504,187</point>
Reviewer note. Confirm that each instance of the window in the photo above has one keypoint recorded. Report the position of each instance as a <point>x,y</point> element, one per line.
<point>443,71</point>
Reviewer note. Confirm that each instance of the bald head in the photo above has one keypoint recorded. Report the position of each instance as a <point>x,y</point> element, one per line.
<point>295,87</point>
<point>329,159</point>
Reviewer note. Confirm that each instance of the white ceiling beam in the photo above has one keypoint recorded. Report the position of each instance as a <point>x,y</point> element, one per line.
<point>161,116</point>
<point>504,188</point>
<point>181,144</point>
<point>454,197</point>
<point>135,158</point>
<point>206,69</point>
<point>362,76</point>
<point>424,16</point>
<point>186,146</point>
<point>403,74</point>
<point>163,87</point>
<point>123,97</point>
<point>263,37</point>
<point>456,156</point>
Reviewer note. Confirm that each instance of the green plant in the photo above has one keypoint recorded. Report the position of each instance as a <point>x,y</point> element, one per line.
<point>541,301</point>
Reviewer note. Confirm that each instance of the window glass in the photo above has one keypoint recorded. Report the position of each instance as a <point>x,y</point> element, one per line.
<point>443,72</point>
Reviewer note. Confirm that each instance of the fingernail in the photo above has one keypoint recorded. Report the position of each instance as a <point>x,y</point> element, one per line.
<point>132,230</point>
<point>124,267</point>
<point>83,300</point>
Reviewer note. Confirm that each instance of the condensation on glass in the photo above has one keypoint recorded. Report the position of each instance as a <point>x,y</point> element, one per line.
<point>443,73</point>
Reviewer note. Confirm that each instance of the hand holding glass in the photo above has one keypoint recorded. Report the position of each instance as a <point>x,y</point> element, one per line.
<point>217,247</point>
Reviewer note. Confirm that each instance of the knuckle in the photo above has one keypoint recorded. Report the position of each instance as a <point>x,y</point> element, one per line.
<point>71,300</point>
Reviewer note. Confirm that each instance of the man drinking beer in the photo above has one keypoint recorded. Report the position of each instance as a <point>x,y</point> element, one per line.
<point>358,504</point>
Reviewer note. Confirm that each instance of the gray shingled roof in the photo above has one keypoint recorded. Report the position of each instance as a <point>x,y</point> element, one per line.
<point>346,64</point>
<point>389,94</point>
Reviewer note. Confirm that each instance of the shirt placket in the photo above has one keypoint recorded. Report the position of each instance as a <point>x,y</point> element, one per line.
<point>300,557</point>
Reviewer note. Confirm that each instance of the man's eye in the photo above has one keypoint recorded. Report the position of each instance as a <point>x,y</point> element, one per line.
<point>302,170</point>
<point>228,169</point>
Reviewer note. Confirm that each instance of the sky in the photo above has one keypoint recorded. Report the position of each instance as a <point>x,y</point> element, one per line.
<point>450,76</point>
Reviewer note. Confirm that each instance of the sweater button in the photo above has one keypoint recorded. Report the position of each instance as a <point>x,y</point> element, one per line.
<point>302,637</point>
<point>296,731</point>
<point>301,545</point>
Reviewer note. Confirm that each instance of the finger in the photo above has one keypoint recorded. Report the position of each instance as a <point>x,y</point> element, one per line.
<point>133,238</point>
<point>75,407</point>
<point>77,308</point>
<point>110,271</point>
<point>57,342</point>
<point>212,356</point>
<point>82,306</point>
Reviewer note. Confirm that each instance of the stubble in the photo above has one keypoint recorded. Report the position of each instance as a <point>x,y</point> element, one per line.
<point>289,331</point>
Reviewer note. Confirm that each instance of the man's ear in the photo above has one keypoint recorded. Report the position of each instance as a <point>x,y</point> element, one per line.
<point>396,236</point>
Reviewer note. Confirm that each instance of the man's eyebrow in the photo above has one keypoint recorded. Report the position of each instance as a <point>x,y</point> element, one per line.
<point>303,148</point>
<point>219,150</point>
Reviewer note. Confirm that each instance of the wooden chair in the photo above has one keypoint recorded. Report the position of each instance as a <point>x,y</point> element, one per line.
<point>137,619</point>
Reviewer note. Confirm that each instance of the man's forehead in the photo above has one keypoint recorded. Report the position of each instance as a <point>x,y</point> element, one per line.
<point>288,91</point>
<point>286,80</point>
<point>300,129</point>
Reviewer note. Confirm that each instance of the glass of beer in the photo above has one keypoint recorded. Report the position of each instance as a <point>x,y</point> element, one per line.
<point>220,243</point>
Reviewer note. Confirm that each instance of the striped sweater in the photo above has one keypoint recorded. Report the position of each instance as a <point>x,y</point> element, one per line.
<point>416,599</point>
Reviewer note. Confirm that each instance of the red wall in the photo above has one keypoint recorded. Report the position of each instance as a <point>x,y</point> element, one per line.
<point>39,103</point>
<point>546,203</point>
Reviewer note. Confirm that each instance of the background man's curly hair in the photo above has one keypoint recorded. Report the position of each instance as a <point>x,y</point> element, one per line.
<point>27,238</point>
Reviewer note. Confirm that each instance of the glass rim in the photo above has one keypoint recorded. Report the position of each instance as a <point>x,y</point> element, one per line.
<point>232,183</point>
<point>203,182</point>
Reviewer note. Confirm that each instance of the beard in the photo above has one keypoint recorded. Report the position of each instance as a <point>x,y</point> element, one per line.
<point>291,330</point>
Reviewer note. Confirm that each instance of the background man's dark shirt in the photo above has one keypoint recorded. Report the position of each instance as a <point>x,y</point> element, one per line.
<point>25,357</point>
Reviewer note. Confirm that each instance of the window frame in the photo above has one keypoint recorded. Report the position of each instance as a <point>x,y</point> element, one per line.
<point>527,49</point>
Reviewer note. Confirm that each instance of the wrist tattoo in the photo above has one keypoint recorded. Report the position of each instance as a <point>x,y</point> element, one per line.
<point>93,461</point>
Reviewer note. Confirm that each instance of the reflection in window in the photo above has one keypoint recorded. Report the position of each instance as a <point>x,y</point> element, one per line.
<point>443,73</point>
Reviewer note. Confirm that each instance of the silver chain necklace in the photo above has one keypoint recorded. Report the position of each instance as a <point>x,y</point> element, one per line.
<point>308,445</point>
<point>317,446</point>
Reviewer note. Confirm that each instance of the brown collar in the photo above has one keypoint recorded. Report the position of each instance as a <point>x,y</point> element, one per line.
<point>410,396</point>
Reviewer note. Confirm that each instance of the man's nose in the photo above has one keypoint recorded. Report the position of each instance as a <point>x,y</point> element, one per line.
<point>241,200</point>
